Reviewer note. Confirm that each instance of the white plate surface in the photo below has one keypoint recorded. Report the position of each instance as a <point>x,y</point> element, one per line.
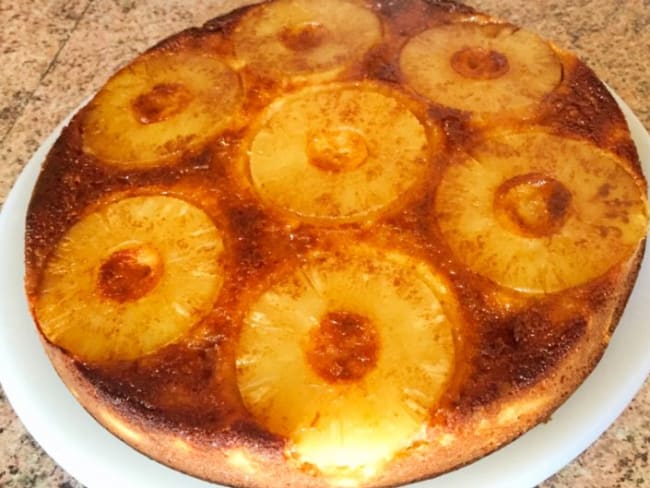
<point>98,459</point>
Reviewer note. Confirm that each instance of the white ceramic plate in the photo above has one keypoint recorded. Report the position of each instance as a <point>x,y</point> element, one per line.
<point>98,459</point>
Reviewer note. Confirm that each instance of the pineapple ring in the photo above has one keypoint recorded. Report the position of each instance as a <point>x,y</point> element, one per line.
<point>540,213</point>
<point>162,105</point>
<point>484,68</point>
<point>349,152</point>
<point>145,270</point>
<point>301,37</point>
<point>397,357</point>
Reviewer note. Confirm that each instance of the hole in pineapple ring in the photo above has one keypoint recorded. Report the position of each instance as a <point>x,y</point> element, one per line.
<point>161,102</point>
<point>478,63</point>
<point>337,150</point>
<point>343,348</point>
<point>303,36</point>
<point>533,204</point>
<point>129,274</point>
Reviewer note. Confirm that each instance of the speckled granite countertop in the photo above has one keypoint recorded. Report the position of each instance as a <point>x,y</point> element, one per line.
<point>54,53</point>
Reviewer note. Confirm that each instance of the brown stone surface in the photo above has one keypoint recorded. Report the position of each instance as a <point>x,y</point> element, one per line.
<point>55,53</point>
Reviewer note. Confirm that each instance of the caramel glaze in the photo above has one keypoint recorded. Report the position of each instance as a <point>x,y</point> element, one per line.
<point>344,347</point>
<point>124,276</point>
<point>506,342</point>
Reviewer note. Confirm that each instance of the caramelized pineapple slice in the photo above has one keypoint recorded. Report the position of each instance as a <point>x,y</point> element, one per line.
<point>302,37</point>
<point>540,213</point>
<point>337,152</point>
<point>161,106</point>
<point>482,68</point>
<point>130,278</point>
<point>369,349</point>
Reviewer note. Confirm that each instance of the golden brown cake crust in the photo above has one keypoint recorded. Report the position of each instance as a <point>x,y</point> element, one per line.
<point>518,355</point>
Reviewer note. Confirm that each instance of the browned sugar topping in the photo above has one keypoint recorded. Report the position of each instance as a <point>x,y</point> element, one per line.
<point>343,348</point>
<point>161,102</point>
<point>303,37</point>
<point>129,274</point>
<point>532,204</point>
<point>337,150</point>
<point>479,64</point>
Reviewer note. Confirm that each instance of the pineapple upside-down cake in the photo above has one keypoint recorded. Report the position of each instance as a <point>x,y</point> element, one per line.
<point>335,243</point>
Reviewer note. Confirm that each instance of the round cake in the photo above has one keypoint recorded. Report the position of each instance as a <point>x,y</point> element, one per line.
<point>335,243</point>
